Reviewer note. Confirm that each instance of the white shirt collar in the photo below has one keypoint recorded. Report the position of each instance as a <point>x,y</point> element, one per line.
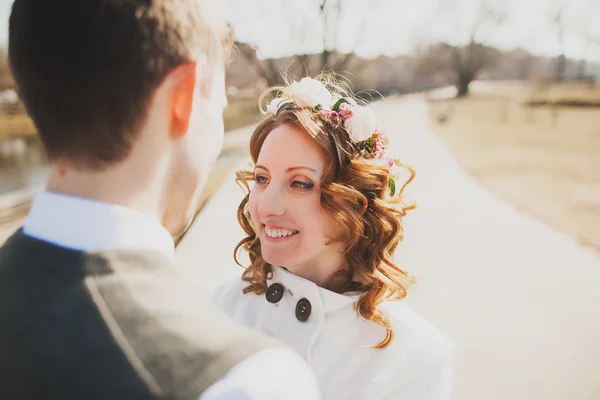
<point>89,225</point>
<point>301,287</point>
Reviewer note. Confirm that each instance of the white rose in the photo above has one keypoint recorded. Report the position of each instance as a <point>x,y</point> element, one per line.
<point>274,105</point>
<point>310,93</point>
<point>361,125</point>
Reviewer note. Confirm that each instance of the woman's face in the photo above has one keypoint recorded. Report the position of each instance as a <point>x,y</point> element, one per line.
<point>285,205</point>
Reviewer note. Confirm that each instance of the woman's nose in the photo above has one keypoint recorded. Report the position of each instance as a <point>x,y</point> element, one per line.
<point>272,201</point>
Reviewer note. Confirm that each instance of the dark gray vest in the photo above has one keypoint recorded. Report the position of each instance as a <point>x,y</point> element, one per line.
<point>109,325</point>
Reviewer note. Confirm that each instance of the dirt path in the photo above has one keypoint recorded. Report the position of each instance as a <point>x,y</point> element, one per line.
<point>544,161</point>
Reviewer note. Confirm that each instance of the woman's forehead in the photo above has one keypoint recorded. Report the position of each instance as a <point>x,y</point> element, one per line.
<point>288,146</point>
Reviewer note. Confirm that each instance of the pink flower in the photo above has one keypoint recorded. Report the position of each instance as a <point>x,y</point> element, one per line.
<point>345,111</point>
<point>380,146</point>
<point>390,161</point>
<point>334,116</point>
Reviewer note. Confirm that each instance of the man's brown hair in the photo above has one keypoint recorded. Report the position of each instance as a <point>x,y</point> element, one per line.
<point>86,69</point>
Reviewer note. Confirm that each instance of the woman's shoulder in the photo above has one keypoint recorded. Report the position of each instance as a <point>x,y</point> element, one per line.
<point>417,350</point>
<point>415,336</point>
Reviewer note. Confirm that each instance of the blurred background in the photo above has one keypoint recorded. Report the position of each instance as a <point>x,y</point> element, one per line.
<point>520,109</point>
<point>510,89</point>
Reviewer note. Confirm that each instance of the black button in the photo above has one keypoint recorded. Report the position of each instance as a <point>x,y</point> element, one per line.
<point>303,309</point>
<point>274,293</point>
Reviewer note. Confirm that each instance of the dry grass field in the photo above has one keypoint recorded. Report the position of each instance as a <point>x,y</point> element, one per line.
<point>543,160</point>
<point>15,125</point>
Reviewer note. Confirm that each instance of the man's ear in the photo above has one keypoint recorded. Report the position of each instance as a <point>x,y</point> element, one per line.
<point>182,98</point>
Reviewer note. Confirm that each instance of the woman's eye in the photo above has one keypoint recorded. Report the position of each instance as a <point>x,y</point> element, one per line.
<point>261,179</point>
<point>302,185</point>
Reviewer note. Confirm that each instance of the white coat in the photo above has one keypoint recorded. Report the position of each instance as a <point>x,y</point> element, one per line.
<point>337,342</point>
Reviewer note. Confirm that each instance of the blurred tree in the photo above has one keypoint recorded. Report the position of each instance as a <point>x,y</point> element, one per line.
<point>6,78</point>
<point>570,22</point>
<point>586,25</point>
<point>330,58</point>
<point>558,22</point>
<point>522,63</point>
<point>513,64</point>
<point>331,12</point>
<point>266,69</point>
<point>461,63</point>
<point>458,65</point>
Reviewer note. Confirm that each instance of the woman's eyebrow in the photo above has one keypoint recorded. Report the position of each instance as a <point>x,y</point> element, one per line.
<point>290,169</point>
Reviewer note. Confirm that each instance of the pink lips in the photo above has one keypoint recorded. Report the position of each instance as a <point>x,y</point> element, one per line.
<point>277,227</point>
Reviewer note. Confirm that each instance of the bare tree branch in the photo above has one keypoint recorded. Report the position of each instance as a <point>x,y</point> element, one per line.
<point>331,18</point>
<point>299,31</point>
<point>461,64</point>
<point>330,12</point>
<point>264,68</point>
<point>560,26</point>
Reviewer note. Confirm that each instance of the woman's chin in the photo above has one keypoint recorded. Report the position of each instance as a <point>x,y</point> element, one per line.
<point>274,259</point>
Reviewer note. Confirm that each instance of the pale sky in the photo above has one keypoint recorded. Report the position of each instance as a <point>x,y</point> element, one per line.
<point>285,27</point>
<point>397,26</point>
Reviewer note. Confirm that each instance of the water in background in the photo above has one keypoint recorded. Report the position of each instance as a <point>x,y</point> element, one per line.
<point>22,164</point>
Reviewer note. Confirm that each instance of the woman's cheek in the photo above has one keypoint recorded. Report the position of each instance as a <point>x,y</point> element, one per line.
<point>253,202</point>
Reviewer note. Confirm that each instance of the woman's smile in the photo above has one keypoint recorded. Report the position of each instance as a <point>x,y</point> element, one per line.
<point>275,234</point>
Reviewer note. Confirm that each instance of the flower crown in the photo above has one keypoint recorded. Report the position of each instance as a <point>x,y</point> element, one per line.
<point>358,121</point>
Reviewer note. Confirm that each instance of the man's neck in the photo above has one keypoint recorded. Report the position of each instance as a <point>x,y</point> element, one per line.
<point>114,185</point>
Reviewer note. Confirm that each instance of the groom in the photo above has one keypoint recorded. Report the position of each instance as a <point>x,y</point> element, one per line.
<point>127,97</point>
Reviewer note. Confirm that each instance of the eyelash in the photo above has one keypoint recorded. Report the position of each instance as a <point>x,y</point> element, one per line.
<point>303,185</point>
<point>261,180</point>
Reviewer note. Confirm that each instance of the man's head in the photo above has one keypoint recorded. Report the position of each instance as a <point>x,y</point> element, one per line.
<point>105,80</point>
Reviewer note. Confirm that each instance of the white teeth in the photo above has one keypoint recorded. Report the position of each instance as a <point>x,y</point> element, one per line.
<point>277,233</point>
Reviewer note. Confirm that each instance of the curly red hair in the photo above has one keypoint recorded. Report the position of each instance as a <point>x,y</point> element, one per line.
<point>354,191</point>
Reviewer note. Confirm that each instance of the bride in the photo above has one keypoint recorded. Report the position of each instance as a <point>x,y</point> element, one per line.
<point>323,220</point>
